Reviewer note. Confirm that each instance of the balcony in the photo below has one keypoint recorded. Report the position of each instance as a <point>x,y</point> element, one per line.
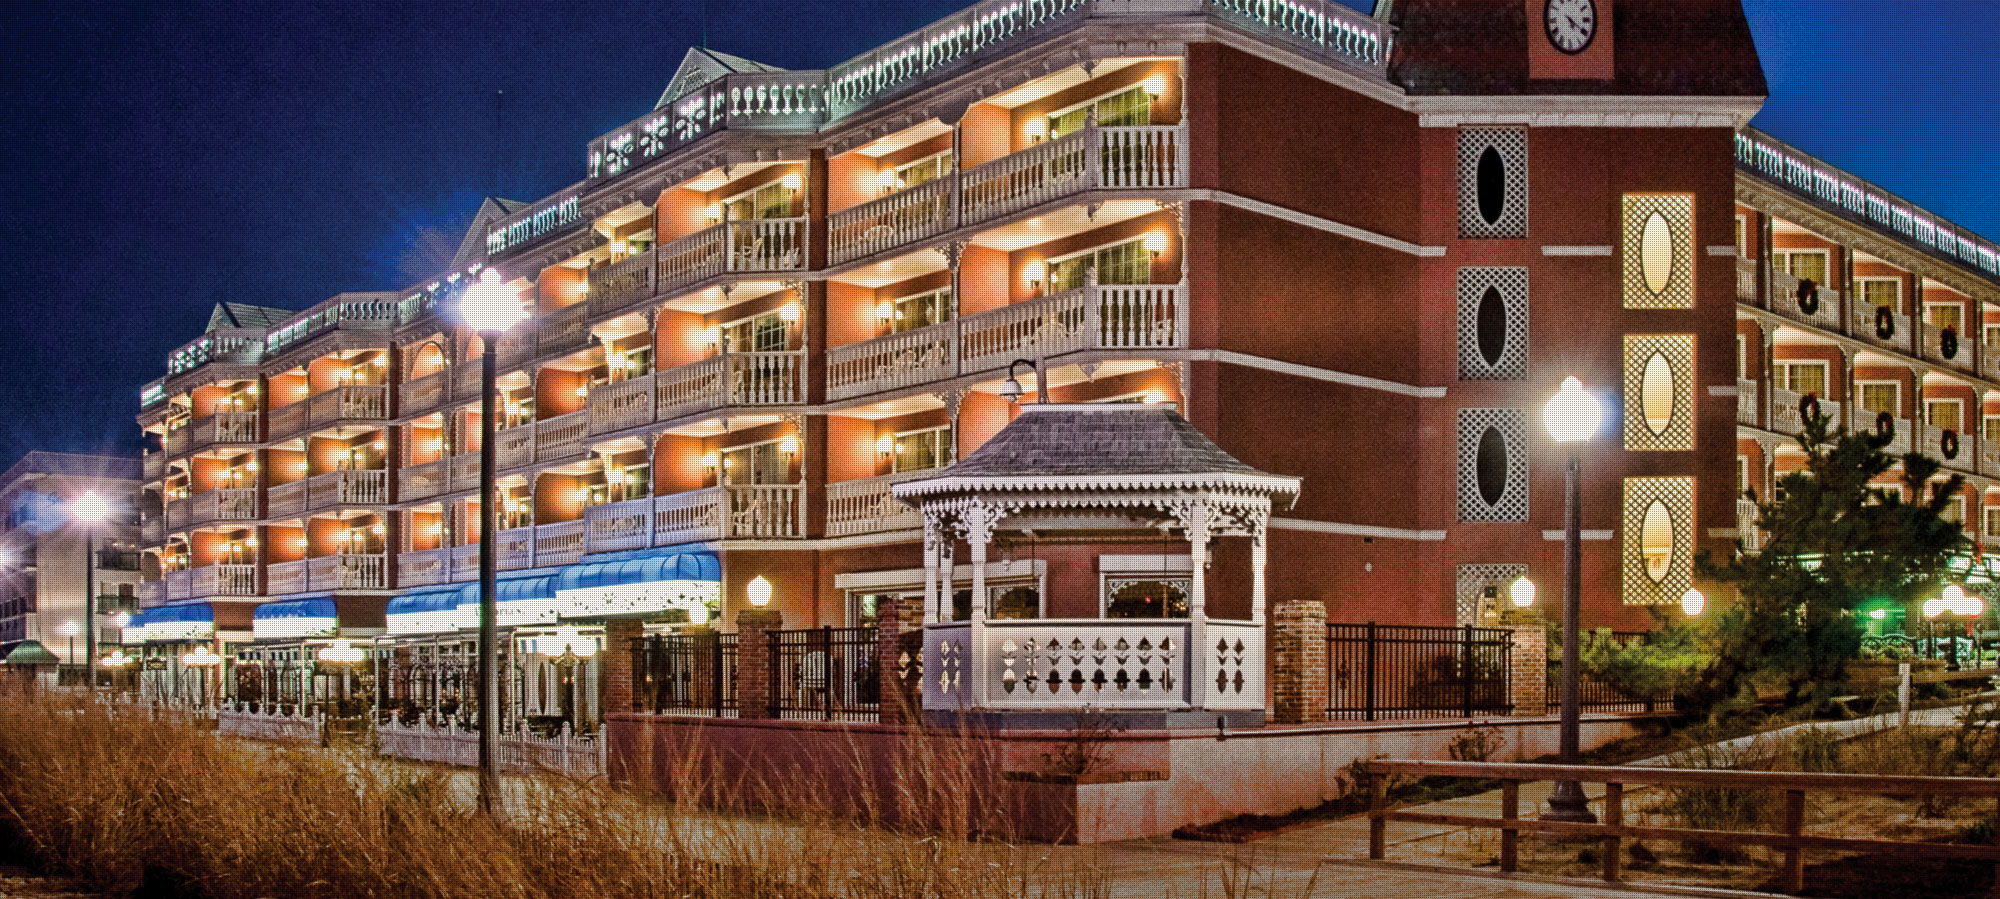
<point>222,428</point>
<point>1746,402</point>
<point>1989,461</point>
<point>210,580</point>
<point>731,379</point>
<point>1152,157</point>
<point>337,572</point>
<point>1032,665</point>
<point>228,504</point>
<point>1092,318</point>
<point>1785,301</point>
<point>558,438</point>
<point>866,506</point>
<point>153,465</point>
<point>424,568</point>
<point>1882,327</point>
<point>561,543</point>
<point>421,395</point>
<point>1786,416</point>
<point>347,488</point>
<point>1746,525</point>
<point>620,405</point>
<point>341,405</point>
<point>750,246</point>
<point>152,593</point>
<point>1746,281</point>
<point>1935,346</point>
<point>180,511</point>
<point>284,501</point>
<point>153,530</point>
<point>423,481</point>
<point>729,513</point>
<point>1962,459</point>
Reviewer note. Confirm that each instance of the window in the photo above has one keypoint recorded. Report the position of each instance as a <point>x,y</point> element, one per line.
<point>631,482</point>
<point>1742,235</point>
<point>1992,521</point>
<point>921,450</point>
<point>1992,429</point>
<point>1801,377</point>
<point>1895,490</point>
<point>1742,475</point>
<point>638,362</point>
<point>865,609</point>
<point>923,171</point>
<point>1943,414</point>
<point>1881,396</point>
<point>1802,264</point>
<point>1146,597</point>
<point>1658,251</point>
<point>1009,602</point>
<point>1945,315</point>
<point>766,333</point>
<point>772,201</point>
<point>1881,292</point>
<point>1993,337</point>
<point>1123,263</point>
<point>920,311</point>
<point>1124,109</point>
<point>759,464</point>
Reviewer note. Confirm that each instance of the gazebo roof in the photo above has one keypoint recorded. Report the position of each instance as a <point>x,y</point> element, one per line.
<point>1099,446</point>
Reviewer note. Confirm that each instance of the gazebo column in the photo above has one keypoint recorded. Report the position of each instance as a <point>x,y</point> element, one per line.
<point>978,521</point>
<point>931,607</point>
<point>1197,648</point>
<point>1257,537</point>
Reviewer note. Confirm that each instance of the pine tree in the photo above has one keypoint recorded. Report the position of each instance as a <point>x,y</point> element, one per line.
<point>1836,542</point>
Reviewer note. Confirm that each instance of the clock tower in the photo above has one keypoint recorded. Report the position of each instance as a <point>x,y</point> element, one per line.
<point>1570,39</point>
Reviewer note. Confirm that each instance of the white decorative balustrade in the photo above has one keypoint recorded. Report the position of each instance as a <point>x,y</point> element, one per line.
<point>692,259</point>
<point>895,361</point>
<point>1746,281</point>
<point>621,405</point>
<point>1746,525</point>
<point>737,512</point>
<point>347,488</point>
<point>224,580</point>
<point>514,549</point>
<point>227,504</point>
<point>560,543</point>
<point>286,500</point>
<point>1884,328</point>
<point>560,437</point>
<point>520,753</point>
<point>620,526</point>
<point>419,395</point>
<point>179,585</point>
<point>564,330</point>
<point>423,568</point>
<point>210,430</point>
<point>281,578</point>
<point>767,245</point>
<point>348,572</point>
<point>866,506</point>
<point>900,218</point>
<point>1935,346</point>
<point>622,283</point>
<point>424,480</point>
<point>369,402</point>
<point>1101,664</point>
<point>1746,402</point>
<point>270,728</point>
<point>512,448</point>
<point>1787,418</point>
<point>731,379</point>
<point>1823,302</point>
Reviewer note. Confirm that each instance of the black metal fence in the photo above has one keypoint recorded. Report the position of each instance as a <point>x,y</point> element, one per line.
<point>827,673</point>
<point>685,674</point>
<point>1379,672</point>
<point>1594,695</point>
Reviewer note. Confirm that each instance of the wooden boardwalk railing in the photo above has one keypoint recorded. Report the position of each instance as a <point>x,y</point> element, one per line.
<point>1612,830</point>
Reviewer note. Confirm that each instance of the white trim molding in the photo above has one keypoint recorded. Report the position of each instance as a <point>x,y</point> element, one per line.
<point>1725,251</point>
<point>1559,250</point>
<point>1354,530</point>
<point>1586,112</point>
<point>1315,222</point>
<point>1230,357</point>
<point>1587,535</point>
<point>1722,390</point>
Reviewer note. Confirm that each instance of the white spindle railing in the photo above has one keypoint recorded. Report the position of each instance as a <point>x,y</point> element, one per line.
<point>286,500</point>
<point>1144,157</point>
<point>1142,317</point>
<point>426,393</point>
<point>622,283</point>
<point>767,245</point>
<point>1094,663</point>
<point>765,512</point>
<point>512,448</point>
<point>691,517</point>
<point>896,361</point>
<point>1871,326</point>
<point>1934,349</point>
<point>892,221</point>
<point>514,549</point>
<point>1786,416</point>
<point>519,753</point>
<point>620,526</point>
<point>691,388</point>
<point>349,572</point>
<point>1989,462</point>
<point>465,559</point>
<point>1746,402</point>
<point>368,488</point>
<point>1746,525</point>
<point>767,379</point>
<point>363,402</point>
<point>560,543</point>
<point>423,480</point>
<point>563,330</point>
<point>225,580</point>
<point>1049,326</point>
<point>867,506</point>
<point>621,405</point>
<point>1785,301</point>
<point>1018,181</point>
<point>465,468</point>
<point>227,504</point>
<point>423,568</point>
<point>561,437</point>
<point>691,259</point>
<point>1746,281</point>
<point>282,578</point>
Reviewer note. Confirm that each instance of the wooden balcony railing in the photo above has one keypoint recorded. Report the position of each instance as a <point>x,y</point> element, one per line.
<point>748,246</point>
<point>561,437</point>
<point>729,513</point>
<point>621,405</point>
<point>223,580</point>
<point>731,379</point>
<point>562,331</point>
<point>423,568</point>
<point>347,488</point>
<point>560,543</point>
<point>622,283</point>
<point>221,428</point>
<point>420,395</point>
<point>348,572</point>
<point>424,480</point>
<point>896,361</point>
<point>1746,281</point>
<point>368,402</point>
<point>228,504</point>
<point>866,506</point>
<point>619,526</point>
<point>1110,317</point>
<point>286,500</point>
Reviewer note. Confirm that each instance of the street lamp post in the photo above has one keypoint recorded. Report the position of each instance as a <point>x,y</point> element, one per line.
<point>1572,418</point>
<point>491,308</point>
<point>1955,602</point>
<point>69,630</point>
<point>90,509</point>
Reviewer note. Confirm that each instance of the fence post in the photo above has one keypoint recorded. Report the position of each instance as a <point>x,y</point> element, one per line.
<point>1370,690</point>
<point>1795,857</point>
<point>755,662</point>
<point>1299,672</point>
<point>716,693</point>
<point>826,668</point>
<point>1465,670</point>
<point>1510,838</point>
<point>1614,816</point>
<point>1378,806</point>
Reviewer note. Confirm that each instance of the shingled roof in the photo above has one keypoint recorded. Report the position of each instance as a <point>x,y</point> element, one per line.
<point>1140,445</point>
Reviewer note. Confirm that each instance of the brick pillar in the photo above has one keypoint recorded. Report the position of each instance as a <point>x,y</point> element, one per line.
<point>621,636</point>
<point>753,661</point>
<point>1528,677</point>
<point>1298,662</point>
<point>894,622</point>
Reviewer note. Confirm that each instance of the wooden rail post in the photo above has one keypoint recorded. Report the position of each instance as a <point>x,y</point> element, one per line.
<point>1614,816</point>
<point>1378,807</point>
<point>1510,838</point>
<point>1795,857</point>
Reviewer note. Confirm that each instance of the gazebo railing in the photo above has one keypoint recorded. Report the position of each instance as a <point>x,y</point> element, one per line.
<point>1120,664</point>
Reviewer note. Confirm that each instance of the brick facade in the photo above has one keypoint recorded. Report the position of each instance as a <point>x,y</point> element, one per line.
<point>893,621</point>
<point>621,637</point>
<point>1528,681</point>
<point>1298,663</point>
<point>753,661</point>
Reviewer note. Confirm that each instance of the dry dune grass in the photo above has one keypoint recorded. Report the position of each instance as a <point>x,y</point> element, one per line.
<point>124,801</point>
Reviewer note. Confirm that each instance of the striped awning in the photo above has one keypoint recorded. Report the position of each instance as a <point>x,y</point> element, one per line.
<point>295,619</point>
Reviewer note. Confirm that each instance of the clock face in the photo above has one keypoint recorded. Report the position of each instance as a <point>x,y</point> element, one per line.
<point>1571,24</point>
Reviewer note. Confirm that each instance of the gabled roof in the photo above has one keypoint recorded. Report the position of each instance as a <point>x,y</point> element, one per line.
<point>1109,445</point>
<point>701,66</point>
<point>244,315</point>
<point>472,248</point>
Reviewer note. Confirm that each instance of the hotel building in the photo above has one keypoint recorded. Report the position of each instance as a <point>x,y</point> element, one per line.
<point>44,548</point>
<point>1360,251</point>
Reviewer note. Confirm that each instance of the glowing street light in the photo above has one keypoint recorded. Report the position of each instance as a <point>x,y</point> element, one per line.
<point>90,510</point>
<point>1692,602</point>
<point>1572,417</point>
<point>1522,592</point>
<point>758,591</point>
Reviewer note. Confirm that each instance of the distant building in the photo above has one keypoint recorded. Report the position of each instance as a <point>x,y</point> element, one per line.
<point>42,550</point>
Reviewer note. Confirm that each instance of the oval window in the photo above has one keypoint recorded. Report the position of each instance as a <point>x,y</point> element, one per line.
<point>1492,186</point>
<point>1656,541</point>
<point>1656,394</point>
<point>1491,466</point>
<point>1656,253</point>
<point>1492,326</point>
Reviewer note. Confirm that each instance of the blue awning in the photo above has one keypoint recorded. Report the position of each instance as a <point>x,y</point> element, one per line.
<point>187,621</point>
<point>676,567</point>
<point>181,614</point>
<point>514,590</point>
<point>442,599</point>
<point>297,608</point>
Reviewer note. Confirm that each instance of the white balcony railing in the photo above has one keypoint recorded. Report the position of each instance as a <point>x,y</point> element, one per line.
<point>560,437</point>
<point>1786,416</point>
<point>1746,525</point>
<point>1746,402</point>
<point>512,448</point>
<point>621,405</point>
<point>560,543</point>
<point>180,512</point>
<point>419,395</point>
<point>767,245</point>
<point>423,568</point>
<point>514,549</point>
<point>347,488</point>
<point>225,580</point>
<point>1746,281</point>
<point>286,577</point>
<point>867,506</point>
<point>1935,346</point>
<point>180,585</point>
<point>1094,317</point>
<point>564,330</point>
<point>154,465</point>
<point>227,504</point>
<point>896,361</point>
<point>620,526</point>
<point>622,283</point>
<point>424,480</point>
<point>365,402</point>
<point>731,379</point>
<point>1883,328</point>
<point>892,221</point>
<point>286,500</point>
<point>746,512</point>
<point>1824,302</point>
<point>1053,665</point>
<point>692,259</point>
<point>349,572</point>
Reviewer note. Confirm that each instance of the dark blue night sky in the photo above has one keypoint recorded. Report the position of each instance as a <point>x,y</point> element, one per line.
<point>159,157</point>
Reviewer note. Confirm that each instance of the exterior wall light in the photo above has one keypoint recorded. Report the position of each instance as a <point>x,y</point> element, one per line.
<point>1038,129</point>
<point>1522,592</point>
<point>789,446</point>
<point>793,182</point>
<point>1156,87</point>
<point>1156,243</point>
<point>885,445</point>
<point>1693,603</point>
<point>886,179</point>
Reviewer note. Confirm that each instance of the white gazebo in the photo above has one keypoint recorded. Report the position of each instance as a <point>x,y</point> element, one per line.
<point>1096,474</point>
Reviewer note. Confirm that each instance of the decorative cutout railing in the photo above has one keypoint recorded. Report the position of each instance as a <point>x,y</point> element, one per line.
<point>867,506</point>
<point>1105,664</point>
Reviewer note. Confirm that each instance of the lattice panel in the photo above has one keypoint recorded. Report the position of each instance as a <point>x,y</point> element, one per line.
<point>1666,423</point>
<point>1510,146</point>
<point>1482,327</point>
<point>1503,494</point>
<point>1658,255</point>
<point>1674,497</point>
<point>1475,607</point>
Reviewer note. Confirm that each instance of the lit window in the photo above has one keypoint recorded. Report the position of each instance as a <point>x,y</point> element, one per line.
<point>1147,598</point>
<point>922,450</point>
<point>1126,108</point>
